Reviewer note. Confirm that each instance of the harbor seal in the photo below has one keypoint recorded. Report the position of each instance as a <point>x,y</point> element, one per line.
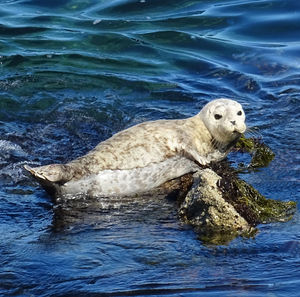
<point>145,156</point>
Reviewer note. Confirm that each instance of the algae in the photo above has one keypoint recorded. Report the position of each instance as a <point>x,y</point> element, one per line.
<point>253,206</point>
<point>261,154</point>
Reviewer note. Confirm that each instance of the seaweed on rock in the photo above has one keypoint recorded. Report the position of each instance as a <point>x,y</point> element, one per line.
<point>221,206</point>
<point>213,218</point>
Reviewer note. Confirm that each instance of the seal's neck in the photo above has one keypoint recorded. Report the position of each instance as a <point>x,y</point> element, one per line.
<point>198,129</point>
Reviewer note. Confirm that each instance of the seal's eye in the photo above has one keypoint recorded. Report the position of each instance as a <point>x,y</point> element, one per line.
<point>218,116</point>
<point>239,113</point>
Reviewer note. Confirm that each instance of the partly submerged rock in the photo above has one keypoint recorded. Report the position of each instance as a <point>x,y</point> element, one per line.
<point>222,206</point>
<point>204,207</point>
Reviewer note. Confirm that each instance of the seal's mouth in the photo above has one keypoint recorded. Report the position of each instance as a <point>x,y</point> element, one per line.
<point>236,137</point>
<point>237,134</point>
<point>226,146</point>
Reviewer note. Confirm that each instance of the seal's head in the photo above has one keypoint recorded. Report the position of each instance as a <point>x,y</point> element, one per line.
<point>224,119</point>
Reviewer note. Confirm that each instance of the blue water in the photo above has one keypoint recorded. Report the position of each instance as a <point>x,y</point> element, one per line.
<point>73,72</point>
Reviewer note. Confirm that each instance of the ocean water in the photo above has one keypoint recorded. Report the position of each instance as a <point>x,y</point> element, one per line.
<point>74,72</point>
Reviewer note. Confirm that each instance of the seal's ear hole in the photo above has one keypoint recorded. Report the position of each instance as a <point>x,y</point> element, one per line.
<point>239,113</point>
<point>218,116</point>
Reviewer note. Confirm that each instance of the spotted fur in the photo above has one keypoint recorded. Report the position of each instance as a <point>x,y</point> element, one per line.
<point>146,155</point>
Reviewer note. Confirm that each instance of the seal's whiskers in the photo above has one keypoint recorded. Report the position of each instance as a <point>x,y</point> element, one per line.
<point>253,132</point>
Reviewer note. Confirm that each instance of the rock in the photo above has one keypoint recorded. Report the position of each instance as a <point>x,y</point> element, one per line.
<point>214,219</point>
<point>221,206</point>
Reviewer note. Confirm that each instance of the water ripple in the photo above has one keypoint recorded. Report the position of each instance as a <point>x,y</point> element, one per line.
<point>72,73</point>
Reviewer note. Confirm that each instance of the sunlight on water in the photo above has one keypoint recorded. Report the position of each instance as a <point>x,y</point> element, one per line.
<point>72,73</point>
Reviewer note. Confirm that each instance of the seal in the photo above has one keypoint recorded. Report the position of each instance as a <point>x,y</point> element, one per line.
<point>145,156</point>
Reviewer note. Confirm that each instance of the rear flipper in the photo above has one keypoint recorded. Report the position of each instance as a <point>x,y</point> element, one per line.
<point>51,177</point>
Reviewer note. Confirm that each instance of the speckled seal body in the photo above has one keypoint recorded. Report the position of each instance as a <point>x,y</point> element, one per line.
<point>144,156</point>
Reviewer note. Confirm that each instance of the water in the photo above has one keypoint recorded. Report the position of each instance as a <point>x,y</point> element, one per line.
<point>74,72</point>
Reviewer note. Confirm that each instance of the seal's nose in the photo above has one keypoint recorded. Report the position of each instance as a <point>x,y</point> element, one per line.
<point>232,122</point>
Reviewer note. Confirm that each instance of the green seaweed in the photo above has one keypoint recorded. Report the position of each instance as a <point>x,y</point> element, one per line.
<point>253,206</point>
<point>245,144</point>
<point>261,154</point>
<point>221,237</point>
